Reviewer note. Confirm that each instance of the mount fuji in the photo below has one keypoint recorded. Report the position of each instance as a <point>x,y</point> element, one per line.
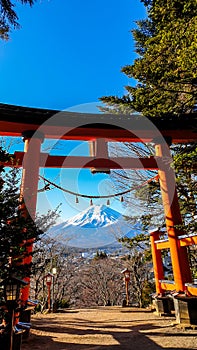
<point>95,227</point>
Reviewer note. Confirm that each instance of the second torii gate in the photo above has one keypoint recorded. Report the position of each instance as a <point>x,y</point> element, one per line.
<point>36,124</point>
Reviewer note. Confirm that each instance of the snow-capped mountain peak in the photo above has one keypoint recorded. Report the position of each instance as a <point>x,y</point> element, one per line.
<point>96,226</point>
<point>94,216</point>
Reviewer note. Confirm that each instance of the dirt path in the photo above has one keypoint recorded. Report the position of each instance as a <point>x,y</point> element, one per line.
<point>110,328</point>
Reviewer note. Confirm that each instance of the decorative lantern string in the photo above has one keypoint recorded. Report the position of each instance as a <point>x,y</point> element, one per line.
<point>91,197</point>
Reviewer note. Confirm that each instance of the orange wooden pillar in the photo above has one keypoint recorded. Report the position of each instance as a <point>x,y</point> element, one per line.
<point>29,186</point>
<point>157,261</point>
<point>179,257</point>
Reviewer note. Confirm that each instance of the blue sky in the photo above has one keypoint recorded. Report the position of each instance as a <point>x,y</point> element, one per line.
<point>68,54</point>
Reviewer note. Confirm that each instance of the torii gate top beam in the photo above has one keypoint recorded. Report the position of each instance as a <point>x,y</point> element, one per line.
<point>14,120</point>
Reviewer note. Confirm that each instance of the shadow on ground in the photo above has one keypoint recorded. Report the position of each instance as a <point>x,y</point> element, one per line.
<point>127,337</point>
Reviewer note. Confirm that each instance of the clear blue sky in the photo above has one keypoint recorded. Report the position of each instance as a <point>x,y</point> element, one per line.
<point>69,53</point>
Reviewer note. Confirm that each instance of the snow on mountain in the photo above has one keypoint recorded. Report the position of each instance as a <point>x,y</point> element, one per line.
<point>94,217</point>
<point>96,226</point>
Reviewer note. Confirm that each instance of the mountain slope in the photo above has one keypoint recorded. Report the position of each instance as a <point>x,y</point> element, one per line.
<point>93,217</point>
<point>96,226</point>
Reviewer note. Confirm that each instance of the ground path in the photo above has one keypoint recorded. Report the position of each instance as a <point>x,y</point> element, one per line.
<point>108,328</point>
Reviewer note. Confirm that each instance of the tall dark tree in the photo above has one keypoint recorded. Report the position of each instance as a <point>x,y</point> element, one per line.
<point>165,69</point>
<point>9,17</point>
<point>16,230</point>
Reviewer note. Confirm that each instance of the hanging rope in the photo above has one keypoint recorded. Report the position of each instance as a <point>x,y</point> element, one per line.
<point>119,194</point>
<point>45,188</point>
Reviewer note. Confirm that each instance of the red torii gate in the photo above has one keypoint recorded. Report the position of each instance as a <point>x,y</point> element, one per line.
<point>35,124</point>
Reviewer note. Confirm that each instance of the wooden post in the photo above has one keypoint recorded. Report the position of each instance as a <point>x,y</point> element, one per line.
<point>49,296</point>
<point>180,262</point>
<point>127,291</point>
<point>126,274</point>
<point>99,149</point>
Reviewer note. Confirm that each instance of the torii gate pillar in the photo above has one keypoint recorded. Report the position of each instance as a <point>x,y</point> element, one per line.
<point>157,261</point>
<point>179,257</point>
<point>29,187</point>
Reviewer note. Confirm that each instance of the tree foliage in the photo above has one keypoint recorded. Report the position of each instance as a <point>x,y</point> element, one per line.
<point>49,254</point>
<point>9,17</point>
<point>17,231</point>
<point>144,201</point>
<point>100,283</point>
<point>81,282</point>
<point>165,69</point>
<point>185,160</point>
<point>139,265</point>
<point>166,75</point>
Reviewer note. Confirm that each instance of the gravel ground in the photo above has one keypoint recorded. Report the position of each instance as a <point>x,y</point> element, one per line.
<point>108,328</point>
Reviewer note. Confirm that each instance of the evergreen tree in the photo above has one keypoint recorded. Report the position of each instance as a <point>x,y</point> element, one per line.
<point>9,17</point>
<point>165,69</point>
<point>16,230</point>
